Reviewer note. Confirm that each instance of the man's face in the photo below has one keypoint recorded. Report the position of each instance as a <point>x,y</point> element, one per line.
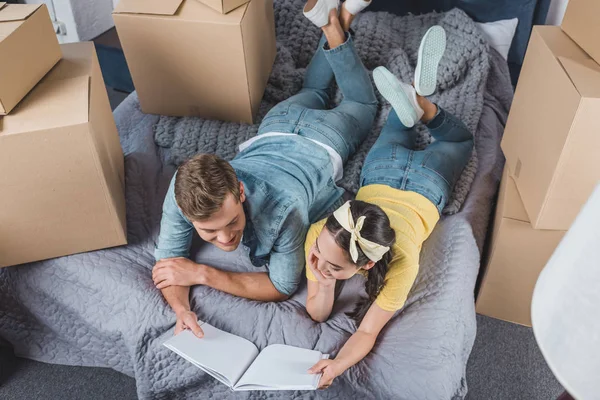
<point>225,228</point>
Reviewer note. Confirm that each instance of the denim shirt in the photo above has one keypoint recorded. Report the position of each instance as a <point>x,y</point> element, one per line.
<point>288,184</point>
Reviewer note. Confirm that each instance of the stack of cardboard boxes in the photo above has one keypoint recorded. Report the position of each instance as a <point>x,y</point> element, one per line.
<point>61,163</point>
<point>552,149</point>
<point>205,58</point>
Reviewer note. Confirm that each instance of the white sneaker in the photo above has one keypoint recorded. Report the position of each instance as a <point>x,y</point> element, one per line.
<point>431,51</point>
<point>356,6</point>
<point>319,15</point>
<point>400,95</point>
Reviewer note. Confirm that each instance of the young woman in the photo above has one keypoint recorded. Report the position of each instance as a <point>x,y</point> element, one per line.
<point>403,191</point>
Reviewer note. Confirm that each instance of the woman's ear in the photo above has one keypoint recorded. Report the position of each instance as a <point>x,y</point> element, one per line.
<point>368,265</point>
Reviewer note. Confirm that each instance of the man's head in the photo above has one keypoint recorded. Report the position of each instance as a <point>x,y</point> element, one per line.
<point>210,196</point>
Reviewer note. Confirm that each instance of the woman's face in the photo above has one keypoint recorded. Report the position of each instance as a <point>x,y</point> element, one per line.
<point>332,261</point>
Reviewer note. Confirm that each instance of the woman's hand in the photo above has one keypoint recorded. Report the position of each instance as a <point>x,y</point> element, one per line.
<point>330,370</point>
<point>312,264</point>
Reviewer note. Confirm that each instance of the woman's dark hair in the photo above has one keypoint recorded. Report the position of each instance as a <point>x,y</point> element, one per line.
<point>377,229</point>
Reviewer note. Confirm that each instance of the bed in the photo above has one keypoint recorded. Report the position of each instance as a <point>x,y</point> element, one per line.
<point>101,309</point>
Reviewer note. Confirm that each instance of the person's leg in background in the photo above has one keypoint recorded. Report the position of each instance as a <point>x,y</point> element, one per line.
<point>346,126</point>
<point>349,10</point>
<point>318,76</point>
<point>451,151</point>
<point>432,172</point>
<point>391,155</point>
<point>354,116</point>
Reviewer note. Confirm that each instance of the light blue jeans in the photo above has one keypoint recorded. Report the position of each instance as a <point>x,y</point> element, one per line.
<point>344,127</point>
<point>432,172</point>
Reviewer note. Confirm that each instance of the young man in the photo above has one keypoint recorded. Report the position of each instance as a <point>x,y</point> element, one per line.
<point>281,181</point>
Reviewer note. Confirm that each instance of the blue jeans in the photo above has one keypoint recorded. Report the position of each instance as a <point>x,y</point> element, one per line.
<point>306,113</point>
<point>432,172</point>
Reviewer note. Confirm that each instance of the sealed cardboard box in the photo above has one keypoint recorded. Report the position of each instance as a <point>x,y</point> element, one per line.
<point>582,23</point>
<point>224,6</point>
<point>187,59</point>
<point>551,140</point>
<point>28,50</point>
<point>518,253</point>
<point>61,163</point>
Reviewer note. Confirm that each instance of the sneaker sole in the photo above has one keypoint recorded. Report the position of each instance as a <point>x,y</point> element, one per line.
<point>431,51</point>
<point>387,85</point>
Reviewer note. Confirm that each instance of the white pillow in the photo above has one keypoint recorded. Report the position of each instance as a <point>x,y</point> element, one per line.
<point>499,34</point>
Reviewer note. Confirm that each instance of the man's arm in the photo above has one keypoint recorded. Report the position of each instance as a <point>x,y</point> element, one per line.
<point>182,272</point>
<point>176,231</point>
<point>250,285</point>
<point>174,240</point>
<point>178,298</point>
<point>277,285</point>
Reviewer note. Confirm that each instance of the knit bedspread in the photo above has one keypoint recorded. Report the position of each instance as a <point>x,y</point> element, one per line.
<point>380,39</point>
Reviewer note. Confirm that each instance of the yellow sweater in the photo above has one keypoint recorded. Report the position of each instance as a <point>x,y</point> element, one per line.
<point>413,217</point>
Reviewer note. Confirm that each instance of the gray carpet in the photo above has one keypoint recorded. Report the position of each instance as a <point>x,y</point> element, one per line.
<point>22,379</point>
<point>506,363</point>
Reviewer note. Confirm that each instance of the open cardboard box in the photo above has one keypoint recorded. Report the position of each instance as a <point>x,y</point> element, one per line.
<point>224,6</point>
<point>582,23</point>
<point>28,50</point>
<point>187,59</point>
<point>552,136</point>
<point>62,179</point>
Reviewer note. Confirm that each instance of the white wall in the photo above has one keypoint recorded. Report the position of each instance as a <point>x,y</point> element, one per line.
<point>92,17</point>
<point>556,12</point>
<point>80,19</point>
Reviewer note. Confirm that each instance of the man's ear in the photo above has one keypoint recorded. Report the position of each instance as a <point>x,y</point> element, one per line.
<point>242,193</point>
<point>368,265</point>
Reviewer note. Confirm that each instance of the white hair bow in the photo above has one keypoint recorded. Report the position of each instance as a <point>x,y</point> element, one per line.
<point>374,251</point>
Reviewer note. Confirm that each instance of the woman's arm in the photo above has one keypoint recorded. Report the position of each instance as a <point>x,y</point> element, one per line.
<point>320,298</point>
<point>356,348</point>
<point>319,302</point>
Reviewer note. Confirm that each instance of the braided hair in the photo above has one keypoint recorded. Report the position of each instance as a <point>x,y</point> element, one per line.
<point>377,229</point>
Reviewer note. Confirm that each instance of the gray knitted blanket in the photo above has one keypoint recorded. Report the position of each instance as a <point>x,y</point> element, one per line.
<point>381,39</point>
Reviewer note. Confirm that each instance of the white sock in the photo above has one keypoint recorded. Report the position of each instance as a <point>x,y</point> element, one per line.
<point>319,14</point>
<point>413,99</point>
<point>356,6</point>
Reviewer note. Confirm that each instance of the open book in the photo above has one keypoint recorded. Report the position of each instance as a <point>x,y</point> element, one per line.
<point>237,363</point>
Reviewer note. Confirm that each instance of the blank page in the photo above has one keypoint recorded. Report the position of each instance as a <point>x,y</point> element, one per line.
<point>218,351</point>
<point>281,367</point>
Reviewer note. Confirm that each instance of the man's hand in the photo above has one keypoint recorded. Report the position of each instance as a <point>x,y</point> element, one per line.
<point>330,370</point>
<point>177,272</point>
<point>311,261</point>
<point>188,320</point>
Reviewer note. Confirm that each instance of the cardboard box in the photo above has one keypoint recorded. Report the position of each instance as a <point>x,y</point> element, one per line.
<point>518,254</point>
<point>188,60</point>
<point>224,6</point>
<point>582,23</point>
<point>28,50</point>
<point>551,140</point>
<point>62,179</point>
